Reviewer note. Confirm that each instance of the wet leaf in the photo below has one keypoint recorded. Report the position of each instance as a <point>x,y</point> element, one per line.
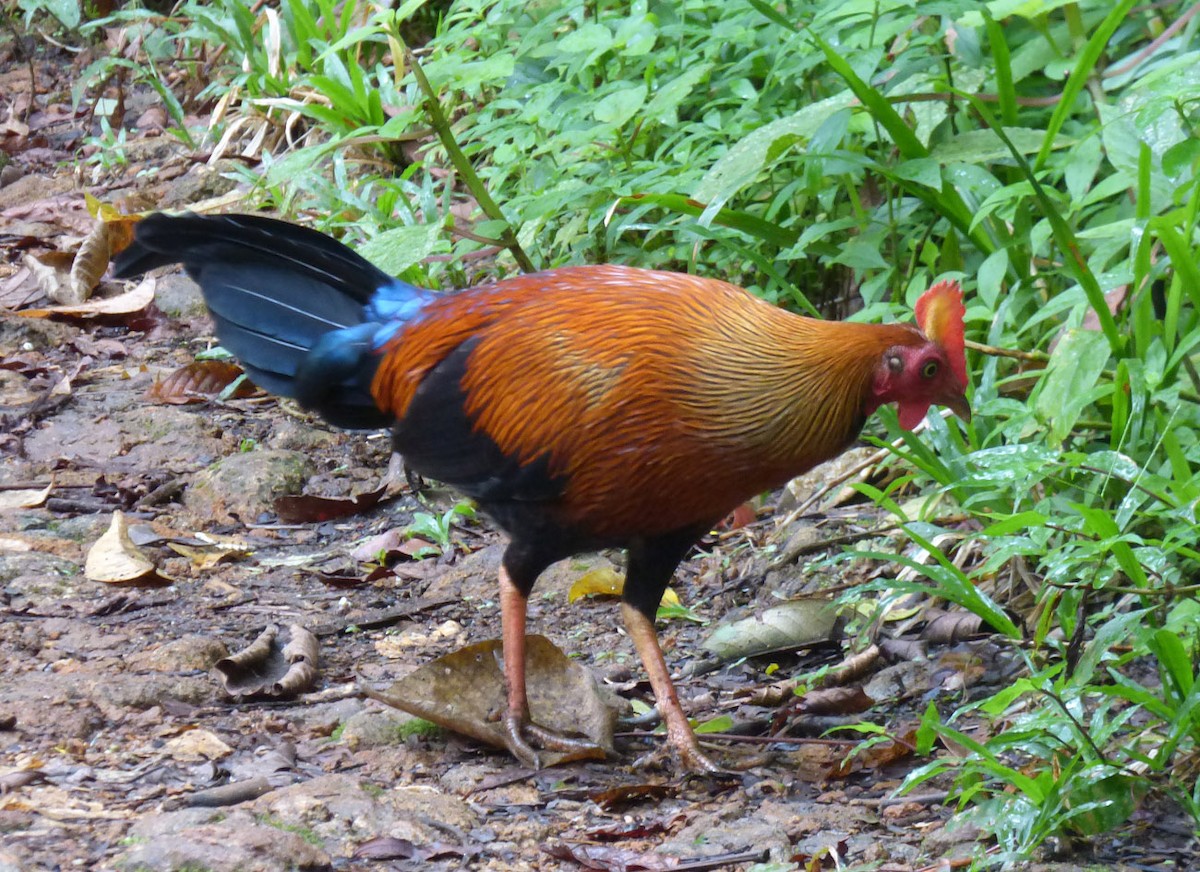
<point>794,624</point>
<point>114,559</point>
<point>626,830</point>
<point>464,692</point>
<point>135,300</point>
<point>198,382</point>
<point>307,508</point>
<point>604,581</point>
<point>266,668</point>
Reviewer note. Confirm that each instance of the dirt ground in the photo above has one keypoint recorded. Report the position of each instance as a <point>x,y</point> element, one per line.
<point>119,747</point>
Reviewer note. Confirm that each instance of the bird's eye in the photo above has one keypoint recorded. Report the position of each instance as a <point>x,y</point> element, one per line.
<point>929,370</point>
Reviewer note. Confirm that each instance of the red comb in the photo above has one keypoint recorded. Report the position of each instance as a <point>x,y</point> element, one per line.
<point>940,313</point>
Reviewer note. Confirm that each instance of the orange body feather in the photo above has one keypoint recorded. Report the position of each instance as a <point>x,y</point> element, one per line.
<point>662,398</point>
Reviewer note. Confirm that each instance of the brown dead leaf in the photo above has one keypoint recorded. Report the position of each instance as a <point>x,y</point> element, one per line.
<point>52,272</point>
<point>91,261</point>
<point>114,559</point>
<point>132,301</point>
<point>876,756</point>
<point>833,701</point>
<point>199,381</point>
<point>944,628</point>
<point>207,556</point>
<point>604,581</point>
<point>306,508</point>
<point>267,669</point>
<point>464,692</point>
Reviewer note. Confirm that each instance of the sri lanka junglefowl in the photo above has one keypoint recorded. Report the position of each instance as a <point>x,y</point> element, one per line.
<point>582,408</point>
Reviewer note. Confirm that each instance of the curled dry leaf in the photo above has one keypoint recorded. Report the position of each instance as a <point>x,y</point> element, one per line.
<point>197,382</point>
<point>604,581</point>
<point>114,559</point>
<point>793,624</point>
<point>464,692</point>
<point>265,668</point>
<point>90,262</point>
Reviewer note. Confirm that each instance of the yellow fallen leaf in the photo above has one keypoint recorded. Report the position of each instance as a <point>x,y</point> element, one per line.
<point>114,559</point>
<point>606,582</point>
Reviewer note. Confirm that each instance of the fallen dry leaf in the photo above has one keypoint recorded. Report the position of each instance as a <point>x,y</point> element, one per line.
<point>123,304</point>
<point>265,668</point>
<point>24,498</point>
<point>306,508</point>
<point>793,624</point>
<point>114,559</point>
<point>199,381</point>
<point>603,581</point>
<point>195,745</point>
<point>464,692</point>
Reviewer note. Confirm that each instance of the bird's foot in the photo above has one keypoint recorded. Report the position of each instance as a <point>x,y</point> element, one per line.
<point>685,757</point>
<point>519,731</point>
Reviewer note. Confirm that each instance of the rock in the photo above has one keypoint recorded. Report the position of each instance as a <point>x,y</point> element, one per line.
<point>236,844</point>
<point>244,486</point>
<point>185,654</point>
<point>373,728</point>
<point>178,296</point>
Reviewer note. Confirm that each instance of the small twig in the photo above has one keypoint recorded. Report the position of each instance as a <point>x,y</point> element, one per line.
<point>1171,29</point>
<point>748,740</point>
<point>992,350</point>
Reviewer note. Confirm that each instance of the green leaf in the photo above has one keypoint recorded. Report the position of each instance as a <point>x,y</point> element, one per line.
<point>1066,388</point>
<point>1085,67</point>
<point>743,162</point>
<point>395,250</point>
<point>619,106</point>
<point>986,146</point>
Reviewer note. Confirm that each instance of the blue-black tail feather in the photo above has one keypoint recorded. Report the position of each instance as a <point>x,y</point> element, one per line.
<point>303,314</point>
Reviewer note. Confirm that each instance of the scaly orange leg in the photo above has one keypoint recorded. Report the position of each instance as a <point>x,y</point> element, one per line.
<point>679,731</point>
<point>517,723</point>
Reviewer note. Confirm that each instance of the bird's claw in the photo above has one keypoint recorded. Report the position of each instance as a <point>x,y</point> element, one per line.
<point>518,731</point>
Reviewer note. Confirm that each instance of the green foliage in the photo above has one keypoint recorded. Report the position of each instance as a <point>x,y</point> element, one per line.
<point>438,528</point>
<point>1045,154</point>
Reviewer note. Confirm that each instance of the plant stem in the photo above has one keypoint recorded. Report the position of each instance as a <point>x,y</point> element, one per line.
<point>478,190</point>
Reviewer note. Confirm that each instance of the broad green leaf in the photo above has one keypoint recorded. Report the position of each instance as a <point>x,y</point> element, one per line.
<point>1072,373</point>
<point>619,106</point>
<point>395,250</point>
<point>745,159</point>
<point>985,146</point>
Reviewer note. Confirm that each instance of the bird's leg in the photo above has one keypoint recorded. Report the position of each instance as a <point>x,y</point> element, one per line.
<point>517,722</point>
<point>513,606</point>
<point>679,731</point>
